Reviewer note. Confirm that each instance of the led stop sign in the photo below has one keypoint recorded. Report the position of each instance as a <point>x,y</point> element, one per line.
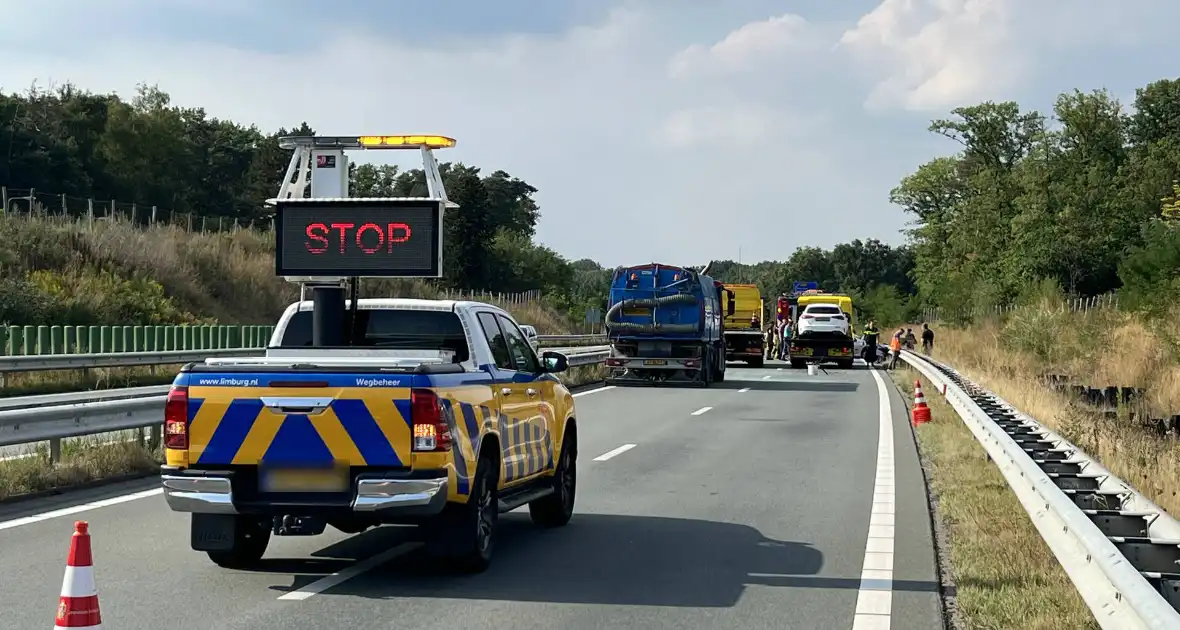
<point>359,237</point>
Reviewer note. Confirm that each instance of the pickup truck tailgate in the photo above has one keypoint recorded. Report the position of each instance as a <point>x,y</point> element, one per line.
<point>304,420</point>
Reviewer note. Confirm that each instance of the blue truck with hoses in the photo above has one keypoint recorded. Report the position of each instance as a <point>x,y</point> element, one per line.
<point>665,326</point>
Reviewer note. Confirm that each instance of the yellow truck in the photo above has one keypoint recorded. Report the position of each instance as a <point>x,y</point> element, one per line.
<point>743,329</point>
<point>824,330</point>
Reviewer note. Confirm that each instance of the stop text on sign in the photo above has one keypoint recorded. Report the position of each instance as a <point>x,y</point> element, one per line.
<point>369,238</point>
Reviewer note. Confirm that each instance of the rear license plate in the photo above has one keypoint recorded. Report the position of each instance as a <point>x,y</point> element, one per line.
<point>823,319</point>
<point>332,479</point>
<point>655,362</point>
<point>805,352</point>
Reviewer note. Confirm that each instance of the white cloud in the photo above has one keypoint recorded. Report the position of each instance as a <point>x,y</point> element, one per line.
<point>751,47</point>
<point>932,55</point>
<point>647,139</point>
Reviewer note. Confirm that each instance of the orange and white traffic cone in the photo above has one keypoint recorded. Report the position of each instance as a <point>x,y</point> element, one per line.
<point>78,607</point>
<point>920,413</point>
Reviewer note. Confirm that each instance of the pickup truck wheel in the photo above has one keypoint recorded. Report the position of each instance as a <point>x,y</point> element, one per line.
<point>464,537</point>
<point>250,541</point>
<point>556,509</point>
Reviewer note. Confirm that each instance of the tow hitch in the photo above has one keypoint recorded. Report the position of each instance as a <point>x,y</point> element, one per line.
<point>291,525</point>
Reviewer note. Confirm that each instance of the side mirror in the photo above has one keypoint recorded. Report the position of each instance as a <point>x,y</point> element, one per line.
<point>730,304</point>
<point>554,362</point>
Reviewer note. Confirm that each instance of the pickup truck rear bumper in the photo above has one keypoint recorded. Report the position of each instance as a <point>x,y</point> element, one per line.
<point>375,494</point>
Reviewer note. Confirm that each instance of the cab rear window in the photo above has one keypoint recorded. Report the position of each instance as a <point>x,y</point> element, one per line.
<point>390,328</point>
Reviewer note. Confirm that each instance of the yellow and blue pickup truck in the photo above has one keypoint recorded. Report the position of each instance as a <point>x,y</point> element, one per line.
<point>439,414</point>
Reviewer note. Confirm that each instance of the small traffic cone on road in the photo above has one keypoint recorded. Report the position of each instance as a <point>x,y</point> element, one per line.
<point>920,413</point>
<point>78,606</point>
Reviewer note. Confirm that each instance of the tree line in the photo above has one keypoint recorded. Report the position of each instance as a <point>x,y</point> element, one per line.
<point>1084,198</point>
<point>147,150</point>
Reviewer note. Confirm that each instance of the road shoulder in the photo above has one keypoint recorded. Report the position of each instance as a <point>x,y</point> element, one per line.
<point>917,585</point>
<point>999,571</point>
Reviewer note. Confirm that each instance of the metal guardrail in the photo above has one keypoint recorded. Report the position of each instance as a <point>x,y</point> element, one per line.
<point>53,417</point>
<point>40,363</point>
<point>1120,550</point>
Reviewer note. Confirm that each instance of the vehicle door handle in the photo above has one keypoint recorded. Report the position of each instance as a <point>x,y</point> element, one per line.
<point>505,391</point>
<point>531,392</point>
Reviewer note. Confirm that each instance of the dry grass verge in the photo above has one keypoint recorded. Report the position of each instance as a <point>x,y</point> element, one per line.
<point>99,458</point>
<point>82,462</point>
<point>1097,349</point>
<point>1004,574</point>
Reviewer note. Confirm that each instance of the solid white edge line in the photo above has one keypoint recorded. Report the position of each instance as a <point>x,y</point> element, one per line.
<point>614,452</point>
<point>347,573</point>
<point>75,509</point>
<point>743,390</point>
<point>701,411</point>
<point>594,391</point>
<point>874,599</point>
<point>766,378</point>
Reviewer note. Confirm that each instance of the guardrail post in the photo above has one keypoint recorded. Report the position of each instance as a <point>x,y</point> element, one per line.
<point>55,450</point>
<point>155,437</point>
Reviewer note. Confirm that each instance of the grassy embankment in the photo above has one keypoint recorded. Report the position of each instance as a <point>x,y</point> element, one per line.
<point>67,272</point>
<point>1005,575</point>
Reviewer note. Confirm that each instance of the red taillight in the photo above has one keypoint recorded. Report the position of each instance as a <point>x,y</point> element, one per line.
<point>614,362</point>
<point>807,317</point>
<point>431,432</point>
<point>176,418</point>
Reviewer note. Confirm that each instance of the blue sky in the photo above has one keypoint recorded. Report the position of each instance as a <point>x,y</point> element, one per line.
<point>668,130</point>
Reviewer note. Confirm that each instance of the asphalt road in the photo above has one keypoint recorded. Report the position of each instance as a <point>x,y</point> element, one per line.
<point>746,505</point>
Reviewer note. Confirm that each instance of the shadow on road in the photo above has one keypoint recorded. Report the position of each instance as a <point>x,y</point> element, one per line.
<point>605,559</point>
<point>332,558</point>
<point>816,384</point>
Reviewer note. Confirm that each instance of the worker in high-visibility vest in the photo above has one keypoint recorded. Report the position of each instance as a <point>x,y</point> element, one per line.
<point>871,335</point>
<point>895,348</point>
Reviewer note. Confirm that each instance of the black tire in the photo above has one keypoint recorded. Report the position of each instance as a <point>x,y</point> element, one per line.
<point>555,510</point>
<point>464,537</point>
<point>251,537</point>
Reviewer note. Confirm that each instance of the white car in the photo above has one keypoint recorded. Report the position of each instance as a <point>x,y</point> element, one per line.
<point>822,319</point>
<point>530,333</point>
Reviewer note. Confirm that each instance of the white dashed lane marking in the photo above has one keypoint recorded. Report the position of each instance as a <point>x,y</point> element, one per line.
<point>614,452</point>
<point>701,411</point>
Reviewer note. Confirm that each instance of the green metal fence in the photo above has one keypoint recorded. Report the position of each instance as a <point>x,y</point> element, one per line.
<point>36,340</point>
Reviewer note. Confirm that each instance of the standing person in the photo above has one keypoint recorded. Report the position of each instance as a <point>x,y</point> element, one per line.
<point>927,339</point>
<point>911,342</point>
<point>895,348</point>
<point>785,340</point>
<point>770,337</point>
<point>871,335</point>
